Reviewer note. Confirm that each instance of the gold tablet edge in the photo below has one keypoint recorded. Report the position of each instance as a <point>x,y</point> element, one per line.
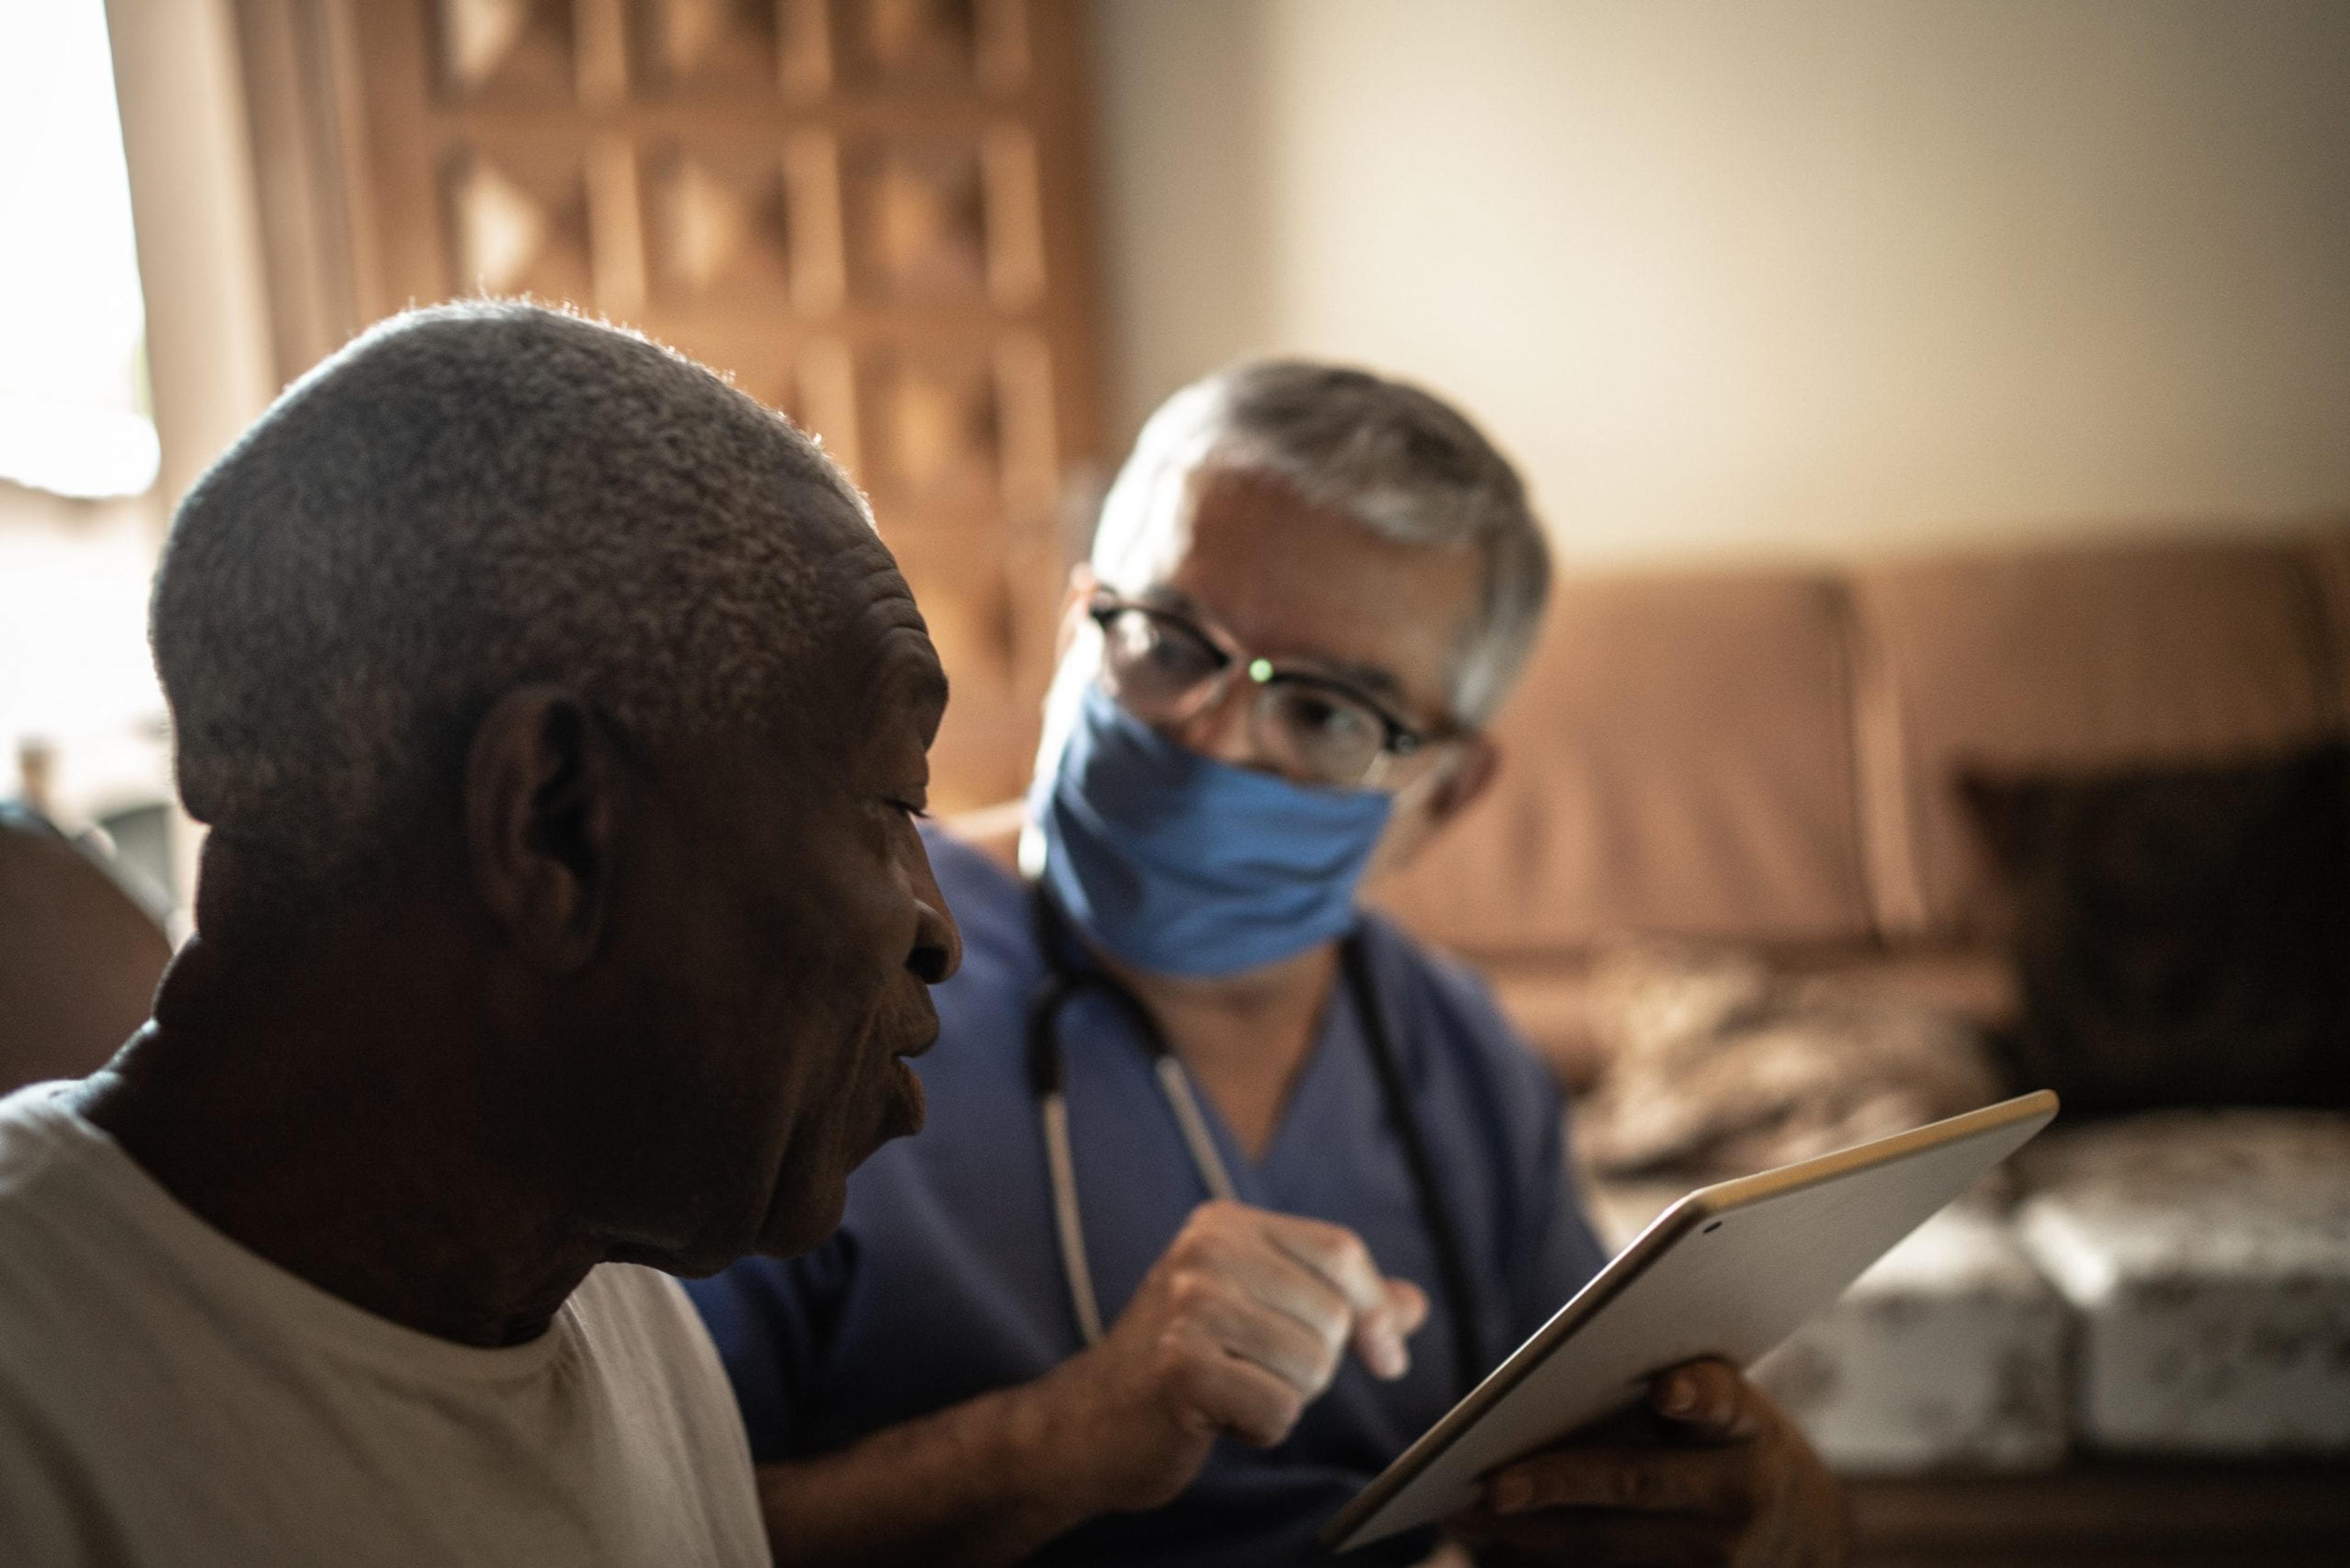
<point>1705,1202</point>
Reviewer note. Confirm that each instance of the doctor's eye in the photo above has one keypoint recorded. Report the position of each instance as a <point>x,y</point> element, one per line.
<point>1156,656</point>
<point>1330,736</point>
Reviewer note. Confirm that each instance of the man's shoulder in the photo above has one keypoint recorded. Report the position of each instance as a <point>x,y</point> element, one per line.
<point>70,1270</point>
<point>41,1144</point>
<point>637,1310</point>
<point>30,1115</point>
<point>639,1327</point>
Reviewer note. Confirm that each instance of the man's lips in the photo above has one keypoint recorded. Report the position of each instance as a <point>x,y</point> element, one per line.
<point>924,1038</point>
<point>910,1106</point>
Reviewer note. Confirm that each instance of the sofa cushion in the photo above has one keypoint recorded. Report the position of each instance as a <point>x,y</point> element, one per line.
<point>79,960</point>
<point>2182,934</point>
<point>2089,656</point>
<point>1554,1000</point>
<point>2329,561</point>
<point>1722,1063</point>
<point>1676,759</point>
<point>2208,1256</point>
<point>1949,1353</point>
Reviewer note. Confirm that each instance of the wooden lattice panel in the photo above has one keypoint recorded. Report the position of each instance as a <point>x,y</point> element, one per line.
<point>919,45</point>
<point>512,51</point>
<point>917,219</point>
<point>717,220</point>
<point>868,211</point>
<point>705,47</point>
<point>517,218</point>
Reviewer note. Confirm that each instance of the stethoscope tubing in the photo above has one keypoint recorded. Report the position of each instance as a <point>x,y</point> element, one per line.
<point>1048,1074</point>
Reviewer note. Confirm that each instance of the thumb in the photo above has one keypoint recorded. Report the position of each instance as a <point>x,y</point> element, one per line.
<point>1708,1398</point>
<point>1380,1333</point>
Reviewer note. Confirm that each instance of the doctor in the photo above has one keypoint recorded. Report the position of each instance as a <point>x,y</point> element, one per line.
<point>1230,1188</point>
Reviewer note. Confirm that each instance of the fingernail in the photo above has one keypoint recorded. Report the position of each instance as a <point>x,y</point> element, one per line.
<point>1680,1398</point>
<point>1389,1360</point>
<point>1510,1494</point>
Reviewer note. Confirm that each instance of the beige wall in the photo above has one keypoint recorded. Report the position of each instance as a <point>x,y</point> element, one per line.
<point>74,672</point>
<point>1809,275</point>
<point>183,133</point>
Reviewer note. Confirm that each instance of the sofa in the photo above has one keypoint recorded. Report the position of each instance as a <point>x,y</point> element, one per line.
<point>2137,1348</point>
<point>79,957</point>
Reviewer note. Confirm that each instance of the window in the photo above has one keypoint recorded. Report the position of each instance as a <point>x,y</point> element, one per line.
<point>75,413</point>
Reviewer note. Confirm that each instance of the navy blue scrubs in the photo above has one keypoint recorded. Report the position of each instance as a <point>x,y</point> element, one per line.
<point>944,1281</point>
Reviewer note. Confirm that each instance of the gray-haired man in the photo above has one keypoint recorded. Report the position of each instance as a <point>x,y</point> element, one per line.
<point>1310,590</point>
<point>560,722</point>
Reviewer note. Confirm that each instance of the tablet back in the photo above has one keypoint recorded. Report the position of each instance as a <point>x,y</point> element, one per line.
<point>1730,1271</point>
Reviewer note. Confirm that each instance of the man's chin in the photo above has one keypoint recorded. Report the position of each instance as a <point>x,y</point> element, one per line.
<point>804,1225</point>
<point>804,1217</point>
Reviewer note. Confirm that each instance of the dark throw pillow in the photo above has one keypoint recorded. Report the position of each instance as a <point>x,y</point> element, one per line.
<point>2182,934</point>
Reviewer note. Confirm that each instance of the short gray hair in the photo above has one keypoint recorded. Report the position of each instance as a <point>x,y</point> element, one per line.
<point>464,500</point>
<point>1403,464</point>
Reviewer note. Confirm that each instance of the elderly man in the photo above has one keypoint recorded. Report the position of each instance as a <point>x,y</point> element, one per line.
<point>561,725</point>
<point>1310,588</point>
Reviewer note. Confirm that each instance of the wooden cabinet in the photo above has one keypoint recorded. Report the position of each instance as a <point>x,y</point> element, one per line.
<point>872,213</point>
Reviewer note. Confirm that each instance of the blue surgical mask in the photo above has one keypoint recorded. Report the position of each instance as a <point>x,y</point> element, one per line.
<point>1180,864</point>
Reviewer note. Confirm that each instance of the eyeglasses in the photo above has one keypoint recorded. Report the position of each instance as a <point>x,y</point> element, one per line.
<point>1166,669</point>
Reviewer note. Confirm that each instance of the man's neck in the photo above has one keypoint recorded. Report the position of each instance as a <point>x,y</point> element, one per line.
<point>349,1160</point>
<point>1244,1038</point>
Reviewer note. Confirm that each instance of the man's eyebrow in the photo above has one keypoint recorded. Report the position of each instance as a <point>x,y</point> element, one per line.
<point>924,683</point>
<point>1376,680</point>
<point>930,685</point>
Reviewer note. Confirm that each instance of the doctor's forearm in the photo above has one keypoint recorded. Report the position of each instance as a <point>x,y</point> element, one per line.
<point>984,1482</point>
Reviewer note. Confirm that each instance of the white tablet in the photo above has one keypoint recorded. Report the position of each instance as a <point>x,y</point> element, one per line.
<point>1730,1271</point>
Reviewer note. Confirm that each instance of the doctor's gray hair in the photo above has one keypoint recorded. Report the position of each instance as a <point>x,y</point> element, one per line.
<point>462,501</point>
<point>1402,464</point>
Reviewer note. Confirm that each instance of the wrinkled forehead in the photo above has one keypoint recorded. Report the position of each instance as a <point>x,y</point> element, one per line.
<point>880,659</point>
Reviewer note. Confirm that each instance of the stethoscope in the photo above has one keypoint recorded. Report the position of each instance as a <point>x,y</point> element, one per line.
<point>1064,980</point>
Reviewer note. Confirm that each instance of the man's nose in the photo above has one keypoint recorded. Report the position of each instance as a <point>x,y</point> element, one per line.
<point>936,952</point>
<point>1221,729</point>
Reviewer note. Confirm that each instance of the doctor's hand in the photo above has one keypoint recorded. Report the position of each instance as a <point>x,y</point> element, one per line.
<point>1239,1324</point>
<point>1710,1472</point>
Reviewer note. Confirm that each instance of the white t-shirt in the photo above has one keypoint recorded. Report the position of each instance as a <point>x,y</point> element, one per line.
<point>167,1397</point>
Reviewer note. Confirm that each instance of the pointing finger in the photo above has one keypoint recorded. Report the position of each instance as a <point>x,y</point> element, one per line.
<point>1334,1253</point>
<point>1378,1341</point>
<point>1408,1306</point>
<point>1338,1255</point>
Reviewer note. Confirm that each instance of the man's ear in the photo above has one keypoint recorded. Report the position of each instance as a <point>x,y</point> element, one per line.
<point>1082,583</point>
<point>544,781</point>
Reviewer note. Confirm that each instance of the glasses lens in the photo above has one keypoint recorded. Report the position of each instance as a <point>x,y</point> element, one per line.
<point>1155,662</point>
<point>1318,731</point>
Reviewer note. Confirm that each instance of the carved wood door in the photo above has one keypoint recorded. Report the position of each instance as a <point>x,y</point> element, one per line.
<point>872,213</point>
